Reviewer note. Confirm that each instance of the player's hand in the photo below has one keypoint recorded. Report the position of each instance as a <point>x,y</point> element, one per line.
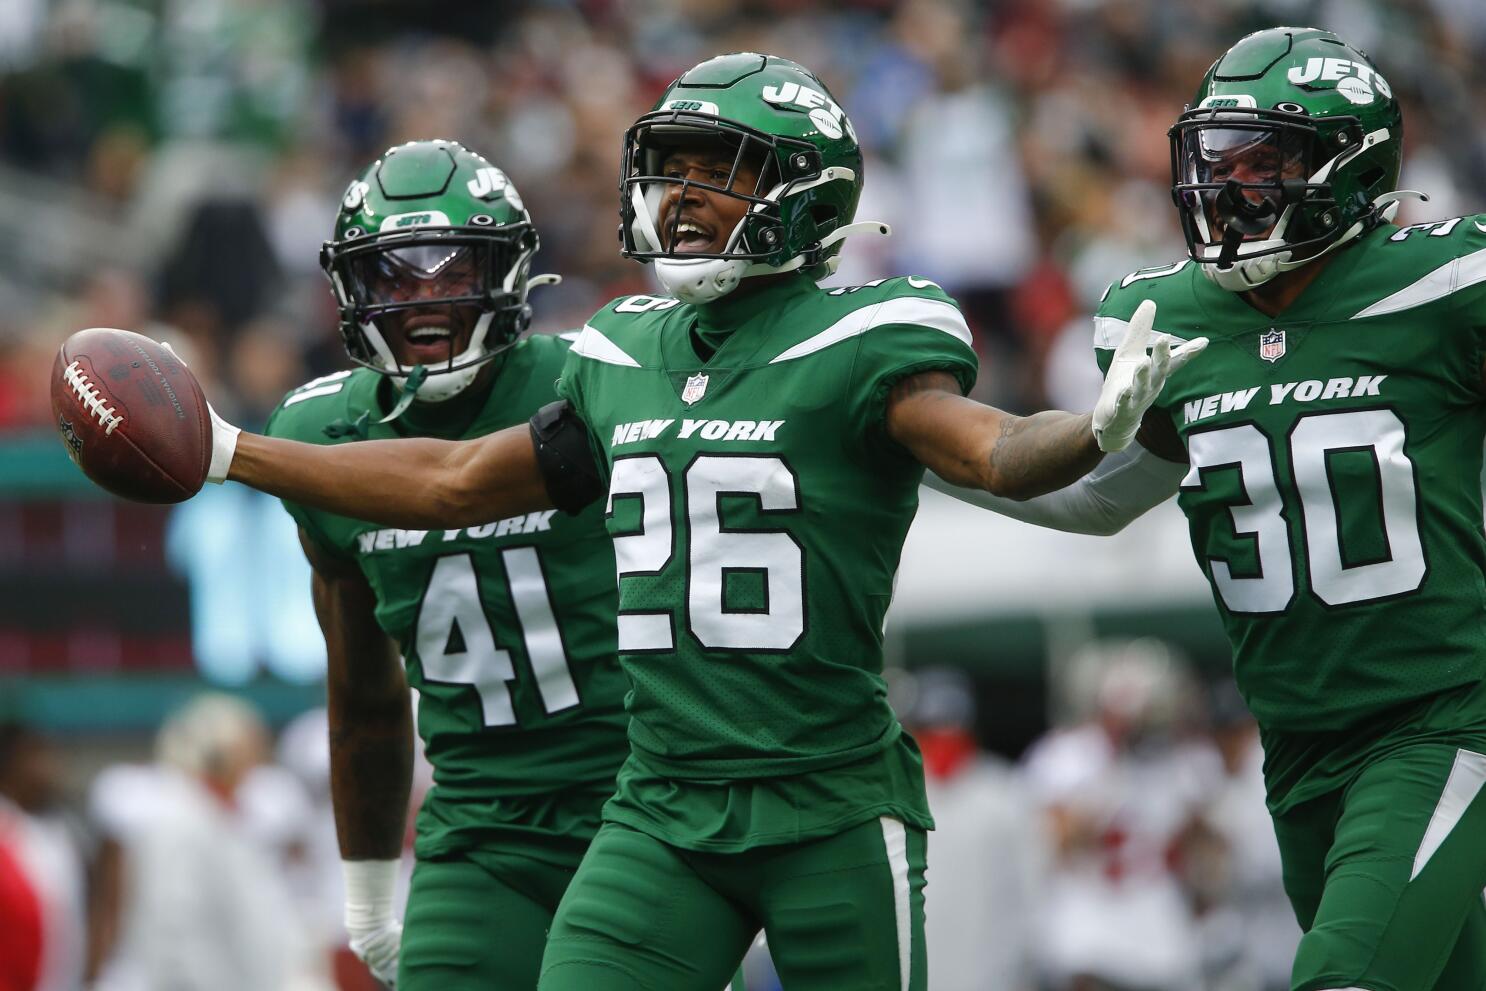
<point>376,934</point>
<point>1135,379</point>
<point>378,950</point>
<point>224,437</point>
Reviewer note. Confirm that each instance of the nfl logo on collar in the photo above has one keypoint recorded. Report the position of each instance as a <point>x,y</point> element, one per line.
<point>1272,345</point>
<point>696,388</point>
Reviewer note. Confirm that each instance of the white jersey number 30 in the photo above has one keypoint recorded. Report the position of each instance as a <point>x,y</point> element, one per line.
<point>1311,443</point>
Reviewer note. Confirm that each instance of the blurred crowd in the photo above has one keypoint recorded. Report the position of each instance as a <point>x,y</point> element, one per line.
<point>173,165</point>
<point>1128,849</point>
<point>209,864</point>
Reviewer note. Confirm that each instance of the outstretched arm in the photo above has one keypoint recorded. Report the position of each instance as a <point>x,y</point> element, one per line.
<point>1123,486</point>
<point>981,447</point>
<point>1018,457</point>
<point>419,483</point>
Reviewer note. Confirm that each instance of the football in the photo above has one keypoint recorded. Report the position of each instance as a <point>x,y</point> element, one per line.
<point>131,415</point>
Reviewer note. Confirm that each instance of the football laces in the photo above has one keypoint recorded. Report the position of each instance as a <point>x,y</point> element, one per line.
<point>92,400</point>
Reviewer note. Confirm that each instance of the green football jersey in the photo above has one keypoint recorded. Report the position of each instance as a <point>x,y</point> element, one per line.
<point>507,629</point>
<point>758,510</point>
<point>1334,491</point>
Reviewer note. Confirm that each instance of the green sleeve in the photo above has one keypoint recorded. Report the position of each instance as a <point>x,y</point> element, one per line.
<point>283,424</point>
<point>888,354</point>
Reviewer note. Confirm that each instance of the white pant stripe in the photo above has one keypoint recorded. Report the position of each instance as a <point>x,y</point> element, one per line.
<point>895,838</point>
<point>1464,783</point>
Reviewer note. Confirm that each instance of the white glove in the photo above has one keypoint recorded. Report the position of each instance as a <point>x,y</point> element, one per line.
<point>1135,379</point>
<point>375,933</point>
<point>224,436</point>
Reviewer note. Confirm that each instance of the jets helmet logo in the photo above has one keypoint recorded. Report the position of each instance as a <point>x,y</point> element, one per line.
<point>1358,82</point>
<point>1272,345</point>
<point>696,388</point>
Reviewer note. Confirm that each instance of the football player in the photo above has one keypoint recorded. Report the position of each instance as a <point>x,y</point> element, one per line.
<point>505,620</point>
<point>758,444</point>
<point>1327,452</point>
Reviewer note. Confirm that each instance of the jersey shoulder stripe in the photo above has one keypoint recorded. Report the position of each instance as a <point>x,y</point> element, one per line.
<point>1446,280</point>
<point>936,314</point>
<point>1110,331</point>
<point>591,343</point>
<point>325,385</point>
<point>304,413</point>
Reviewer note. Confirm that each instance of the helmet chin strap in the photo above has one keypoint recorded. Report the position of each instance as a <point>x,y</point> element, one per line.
<point>411,383</point>
<point>699,280</point>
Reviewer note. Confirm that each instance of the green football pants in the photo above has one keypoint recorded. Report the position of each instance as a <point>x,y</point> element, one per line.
<point>477,927</point>
<point>1386,876</point>
<point>846,911</point>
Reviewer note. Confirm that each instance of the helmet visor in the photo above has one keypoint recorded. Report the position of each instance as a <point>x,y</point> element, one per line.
<point>420,273</point>
<point>383,280</point>
<point>1235,174</point>
<point>1254,155</point>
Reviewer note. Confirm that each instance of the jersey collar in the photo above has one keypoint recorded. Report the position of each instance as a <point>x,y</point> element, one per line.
<point>450,419</point>
<point>717,320</point>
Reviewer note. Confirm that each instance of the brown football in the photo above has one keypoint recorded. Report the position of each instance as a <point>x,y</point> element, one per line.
<point>131,415</point>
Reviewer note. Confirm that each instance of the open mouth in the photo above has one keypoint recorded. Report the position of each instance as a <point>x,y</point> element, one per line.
<point>1220,230</point>
<point>691,237</point>
<point>427,344</point>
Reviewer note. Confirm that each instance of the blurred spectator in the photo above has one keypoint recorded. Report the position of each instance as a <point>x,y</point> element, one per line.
<point>970,227</point>
<point>20,917</point>
<point>203,906</point>
<point>42,938</point>
<point>307,841</point>
<point>1249,932</point>
<point>1119,788</point>
<point>313,872</point>
<point>986,859</point>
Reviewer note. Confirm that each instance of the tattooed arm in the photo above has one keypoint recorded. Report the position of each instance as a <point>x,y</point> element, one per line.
<point>1019,457</point>
<point>982,447</point>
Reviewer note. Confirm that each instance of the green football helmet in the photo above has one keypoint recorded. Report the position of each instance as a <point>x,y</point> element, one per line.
<point>775,115</point>
<point>1290,149</point>
<point>418,215</point>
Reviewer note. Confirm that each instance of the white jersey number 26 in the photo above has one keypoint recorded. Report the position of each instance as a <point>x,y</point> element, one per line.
<point>713,552</point>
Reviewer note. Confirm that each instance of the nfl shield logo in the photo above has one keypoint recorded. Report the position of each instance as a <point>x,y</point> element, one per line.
<point>696,388</point>
<point>1272,345</point>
